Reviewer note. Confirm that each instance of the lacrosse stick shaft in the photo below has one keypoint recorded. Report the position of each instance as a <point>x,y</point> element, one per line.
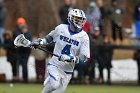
<point>39,47</point>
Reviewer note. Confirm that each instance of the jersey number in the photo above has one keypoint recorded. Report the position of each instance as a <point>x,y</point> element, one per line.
<point>66,50</point>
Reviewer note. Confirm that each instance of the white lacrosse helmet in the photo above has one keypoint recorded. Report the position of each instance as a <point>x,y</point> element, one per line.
<point>77,19</point>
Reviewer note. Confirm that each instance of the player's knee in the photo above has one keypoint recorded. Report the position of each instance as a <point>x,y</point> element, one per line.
<point>52,83</point>
<point>56,84</point>
<point>50,86</point>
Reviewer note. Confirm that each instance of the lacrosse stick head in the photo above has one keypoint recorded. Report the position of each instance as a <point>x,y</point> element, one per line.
<point>20,40</point>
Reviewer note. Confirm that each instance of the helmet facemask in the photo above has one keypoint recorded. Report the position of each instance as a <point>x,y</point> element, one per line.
<point>79,21</point>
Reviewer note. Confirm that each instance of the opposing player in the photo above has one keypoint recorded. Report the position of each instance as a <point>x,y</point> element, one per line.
<point>72,44</point>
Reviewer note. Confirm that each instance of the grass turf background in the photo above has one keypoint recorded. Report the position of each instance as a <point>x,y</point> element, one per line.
<point>36,88</point>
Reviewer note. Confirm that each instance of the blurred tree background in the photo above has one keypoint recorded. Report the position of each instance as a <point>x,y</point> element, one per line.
<point>42,15</point>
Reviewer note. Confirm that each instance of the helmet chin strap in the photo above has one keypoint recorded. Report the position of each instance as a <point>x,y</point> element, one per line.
<point>75,27</point>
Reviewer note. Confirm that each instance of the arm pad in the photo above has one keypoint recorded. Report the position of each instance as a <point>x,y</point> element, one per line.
<point>49,39</point>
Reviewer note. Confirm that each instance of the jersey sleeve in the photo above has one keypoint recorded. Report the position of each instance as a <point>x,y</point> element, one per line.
<point>85,47</point>
<point>55,33</point>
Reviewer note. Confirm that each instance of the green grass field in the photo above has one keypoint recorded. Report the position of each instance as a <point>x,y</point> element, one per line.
<point>36,88</point>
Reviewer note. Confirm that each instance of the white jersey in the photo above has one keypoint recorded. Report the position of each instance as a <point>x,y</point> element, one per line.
<point>68,42</point>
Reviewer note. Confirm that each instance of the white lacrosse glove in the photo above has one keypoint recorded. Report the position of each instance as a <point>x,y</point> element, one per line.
<point>39,41</point>
<point>20,40</point>
<point>68,58</point>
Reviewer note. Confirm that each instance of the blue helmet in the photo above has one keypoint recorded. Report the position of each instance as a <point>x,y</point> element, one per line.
<point>77,19</point>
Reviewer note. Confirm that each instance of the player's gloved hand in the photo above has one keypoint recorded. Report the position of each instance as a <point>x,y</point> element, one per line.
<point>68,58</point>
<point>39,41</point>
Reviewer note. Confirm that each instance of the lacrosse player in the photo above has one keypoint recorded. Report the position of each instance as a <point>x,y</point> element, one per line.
<point>72,46</point>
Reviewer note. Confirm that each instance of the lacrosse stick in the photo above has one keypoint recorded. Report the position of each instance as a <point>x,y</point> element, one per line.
<point>20,40</point>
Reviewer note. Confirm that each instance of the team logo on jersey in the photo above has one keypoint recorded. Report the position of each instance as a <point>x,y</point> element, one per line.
<point>69,40</point>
